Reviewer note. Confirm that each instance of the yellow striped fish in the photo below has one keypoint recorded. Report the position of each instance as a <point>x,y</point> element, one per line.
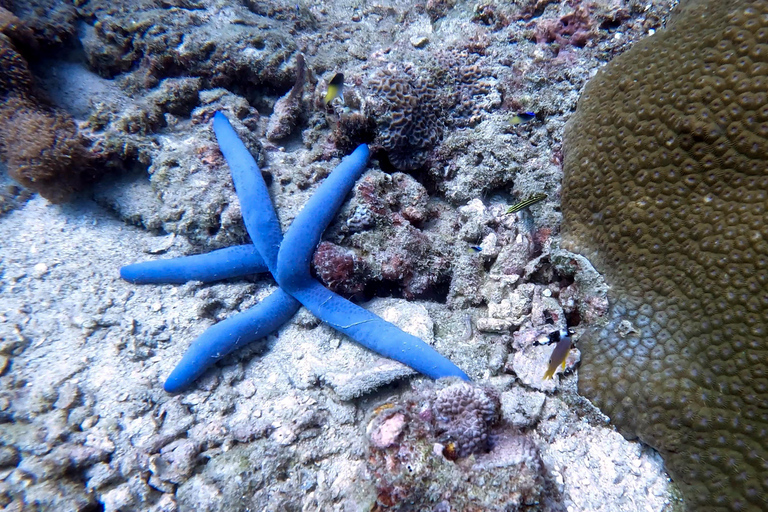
<point>535,198</point>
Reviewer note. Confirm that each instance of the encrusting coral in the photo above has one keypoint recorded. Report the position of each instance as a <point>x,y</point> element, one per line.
<point>666,190</point>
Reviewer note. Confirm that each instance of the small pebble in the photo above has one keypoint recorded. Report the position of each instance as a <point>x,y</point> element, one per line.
<point>162,245</point>
<point>419,41</point>
<point>284,436</point>
<point>496,325</point>
<point>39,270</point>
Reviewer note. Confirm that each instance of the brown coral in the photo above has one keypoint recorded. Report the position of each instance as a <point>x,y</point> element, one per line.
<point>465,415</point>
<point>408,110</point>
<point>42,149</point>
<point>39,144</point>
<point>14,72</point>
<point>666,189</point>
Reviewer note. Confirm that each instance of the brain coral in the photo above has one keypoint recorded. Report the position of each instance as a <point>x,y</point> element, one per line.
<point>408,110</point>
<point>666,190</point>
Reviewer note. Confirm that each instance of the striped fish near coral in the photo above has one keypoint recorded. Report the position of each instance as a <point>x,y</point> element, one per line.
<point>535,198</point>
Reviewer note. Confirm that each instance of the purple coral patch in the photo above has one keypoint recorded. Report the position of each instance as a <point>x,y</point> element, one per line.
<point>340,269</point>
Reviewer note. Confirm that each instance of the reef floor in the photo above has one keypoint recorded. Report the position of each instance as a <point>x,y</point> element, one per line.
<point>306,419</point>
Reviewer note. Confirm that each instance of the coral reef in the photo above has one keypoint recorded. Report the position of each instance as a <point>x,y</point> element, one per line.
<point>464,415</point>
<point>42,24</point>
<point>665,190</point>
<point>475,88</point>
<point>413,472</point>
<point>290,268</point>
<point>400,253</point>
<point>39,144</point>
<point>152,42</point>
<point>43,149</point>
<point>280,425</point>
<point>268,430</point>
<point>408,109</point>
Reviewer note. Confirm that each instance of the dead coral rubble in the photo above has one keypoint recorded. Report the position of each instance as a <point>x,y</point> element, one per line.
<point>287,109</point>
<point>401,253</point>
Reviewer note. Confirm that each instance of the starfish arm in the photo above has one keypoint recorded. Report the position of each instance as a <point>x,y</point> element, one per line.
<point>375,333</point>
<point>292,274</point>
<point>306,229</point>
<point>256,207</point>
<point>229,335</point>
<point>226,263</point>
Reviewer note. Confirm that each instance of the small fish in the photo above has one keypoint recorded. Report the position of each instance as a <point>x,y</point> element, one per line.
<point>560,353</point>
<point>475,249</point>
<point>535,198</point>
<point>521,117</point>
<point>335,88</point>
<point>383,407</point>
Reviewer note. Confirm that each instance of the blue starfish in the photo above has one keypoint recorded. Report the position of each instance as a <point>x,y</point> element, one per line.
<point>288,260</point>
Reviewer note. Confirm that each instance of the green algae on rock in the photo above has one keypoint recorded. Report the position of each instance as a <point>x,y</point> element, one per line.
<point>666,190</point>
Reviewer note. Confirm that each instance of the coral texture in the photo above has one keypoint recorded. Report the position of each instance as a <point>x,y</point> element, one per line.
<point>411,472</point>
<point>14,72</point>
<point>401,251</point>
<point>666,189</point>
<point>408,110</point>
<point>339,269</point>
<point>40,145</point>
<point>42,148</point>
<point>465,414</point>
<point>473,83</point>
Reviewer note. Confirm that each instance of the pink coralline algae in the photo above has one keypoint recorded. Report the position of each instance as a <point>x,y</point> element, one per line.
<point>575,28</point>
<point>400,255</point>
